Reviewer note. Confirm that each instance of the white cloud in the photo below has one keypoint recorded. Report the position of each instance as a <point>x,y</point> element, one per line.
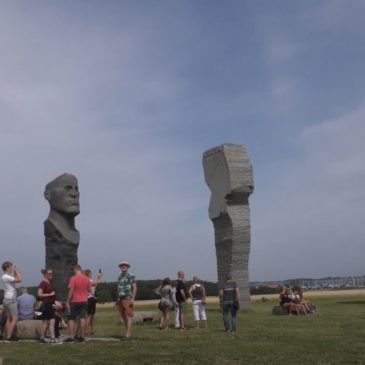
<point>314,224</point>
<point>89,101</point>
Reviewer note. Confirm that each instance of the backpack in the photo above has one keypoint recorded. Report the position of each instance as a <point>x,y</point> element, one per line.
<point>197,292</point>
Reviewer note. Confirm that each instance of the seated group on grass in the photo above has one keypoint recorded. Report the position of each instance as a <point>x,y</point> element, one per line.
<point>294,303</point>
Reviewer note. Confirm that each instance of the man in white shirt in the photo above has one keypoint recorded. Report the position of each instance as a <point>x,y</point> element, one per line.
<point>9,302</point>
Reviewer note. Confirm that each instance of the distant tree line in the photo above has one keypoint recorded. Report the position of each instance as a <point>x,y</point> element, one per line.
<point>264,289</point>
<point>107,292</point>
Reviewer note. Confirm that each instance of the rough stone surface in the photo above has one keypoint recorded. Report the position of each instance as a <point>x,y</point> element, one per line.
<point>146,317</point>
<point>28,330</point>
<point>61,236</point>
<point>228,173</point>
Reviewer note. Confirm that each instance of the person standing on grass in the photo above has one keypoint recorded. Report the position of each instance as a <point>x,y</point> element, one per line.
<point>127,290</point>
<point>9,280</point>
<point>47,295</point>
<point>166,302</point>
<point>91,301</point>
<point>181,297</point>
<point>78,290</point>
<point>197,294</point>
<point>228,296</point>
<point>176,308</point>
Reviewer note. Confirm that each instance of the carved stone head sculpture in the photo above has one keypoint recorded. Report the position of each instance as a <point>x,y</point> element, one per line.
<point>63,195</point>
<point>61,236</point>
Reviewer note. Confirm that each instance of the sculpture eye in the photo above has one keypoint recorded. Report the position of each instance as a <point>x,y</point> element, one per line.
<point>68,187</point>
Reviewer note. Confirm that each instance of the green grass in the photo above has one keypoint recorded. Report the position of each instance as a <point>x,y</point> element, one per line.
<point>334,335</point>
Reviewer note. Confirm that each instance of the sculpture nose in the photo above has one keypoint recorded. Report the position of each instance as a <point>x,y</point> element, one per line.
<point>74,193</point>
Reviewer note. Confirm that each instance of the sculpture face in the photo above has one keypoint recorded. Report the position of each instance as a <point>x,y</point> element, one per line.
<point>228,173</point>
<point>63,195</point>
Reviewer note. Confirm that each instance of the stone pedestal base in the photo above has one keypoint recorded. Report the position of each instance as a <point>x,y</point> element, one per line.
<point>146,317</point>
<point>28,330</point>
<point>31,329</point>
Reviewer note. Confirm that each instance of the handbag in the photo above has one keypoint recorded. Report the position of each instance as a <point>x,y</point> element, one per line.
<point>38,308</point>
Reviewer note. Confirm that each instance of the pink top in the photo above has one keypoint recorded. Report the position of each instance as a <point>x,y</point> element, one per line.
<point>81,286</point>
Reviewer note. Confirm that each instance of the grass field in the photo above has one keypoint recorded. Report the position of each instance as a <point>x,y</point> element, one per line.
<point>334,335</point>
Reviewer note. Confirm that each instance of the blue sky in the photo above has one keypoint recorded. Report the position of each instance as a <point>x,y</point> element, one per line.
<point>127,95</point>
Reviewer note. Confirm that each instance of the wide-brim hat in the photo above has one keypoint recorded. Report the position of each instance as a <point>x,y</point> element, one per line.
<point>124,263</point>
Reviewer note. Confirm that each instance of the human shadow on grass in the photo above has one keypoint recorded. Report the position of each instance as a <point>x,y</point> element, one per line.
<point>133,338</point>
<point>361,302</point>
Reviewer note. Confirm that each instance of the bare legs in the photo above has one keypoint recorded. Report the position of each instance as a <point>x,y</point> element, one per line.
<point>10,324</point>
<point>164,325</point>
<point>71,326</point>
<point>90,324</point>
<point>49,323</point>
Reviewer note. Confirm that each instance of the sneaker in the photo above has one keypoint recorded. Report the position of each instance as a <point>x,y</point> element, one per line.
<point>125,338</point>
<point>11,339</point>
<point>43,341</point>
<point>69,340</point>
<point>80,339</point>
<point>55,341</point>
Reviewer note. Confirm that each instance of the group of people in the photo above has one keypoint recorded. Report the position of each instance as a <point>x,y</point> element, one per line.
<point>81,302</point>
<point>176,298</point>
<point>294,303</point>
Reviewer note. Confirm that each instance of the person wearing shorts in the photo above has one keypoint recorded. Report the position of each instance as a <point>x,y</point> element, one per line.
<point>9,302</point>
<point>197,294</point>
<point>47,295</point>
<point>78,290</point>
<point>91,301</point>
<point>127,290</point>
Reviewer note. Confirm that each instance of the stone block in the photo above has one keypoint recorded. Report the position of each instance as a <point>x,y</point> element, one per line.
<point>146,317</point>
<point>28,330</point>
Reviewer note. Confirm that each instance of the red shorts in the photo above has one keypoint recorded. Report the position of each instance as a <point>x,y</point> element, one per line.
<point>125,307</point>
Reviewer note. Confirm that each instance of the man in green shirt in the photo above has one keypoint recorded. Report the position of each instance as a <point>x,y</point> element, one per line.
<point>127,290</point>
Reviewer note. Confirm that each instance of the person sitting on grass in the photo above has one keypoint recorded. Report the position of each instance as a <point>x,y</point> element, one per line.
<point>304,303</point>
<point>287,303</point>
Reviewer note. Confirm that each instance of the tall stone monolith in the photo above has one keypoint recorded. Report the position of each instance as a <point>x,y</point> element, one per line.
<point>61,236</point>
<point>228,173</point>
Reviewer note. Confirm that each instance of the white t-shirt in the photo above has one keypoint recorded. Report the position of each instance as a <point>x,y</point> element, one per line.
<point>9,286</point>
<point>92,289</point>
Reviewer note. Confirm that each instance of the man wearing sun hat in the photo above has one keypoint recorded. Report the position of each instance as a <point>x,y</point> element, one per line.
<point>127,290</point>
